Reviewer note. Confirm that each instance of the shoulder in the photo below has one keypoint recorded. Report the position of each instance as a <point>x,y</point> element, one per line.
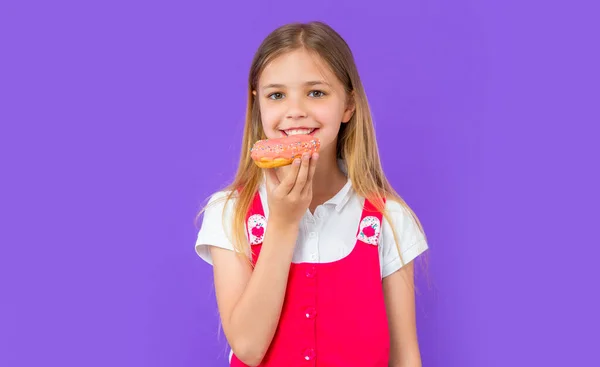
<point>402,238</point>
<point>220,196</point>
<point>398,212</point>
<point>219,201</point>
<point>220,205</point>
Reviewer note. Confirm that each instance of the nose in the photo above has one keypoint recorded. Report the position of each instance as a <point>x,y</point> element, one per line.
<point>296,110</point>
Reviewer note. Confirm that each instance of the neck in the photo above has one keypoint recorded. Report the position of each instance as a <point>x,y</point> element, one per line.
<point>328,179</point>
<point>328,176</point>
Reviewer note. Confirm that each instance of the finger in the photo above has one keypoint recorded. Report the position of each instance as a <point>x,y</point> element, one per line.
<point>289,180</point>
<point>311,173</point>
<point>302,174</point>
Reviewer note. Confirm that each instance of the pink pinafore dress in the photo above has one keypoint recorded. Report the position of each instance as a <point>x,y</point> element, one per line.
<point>334,313</point>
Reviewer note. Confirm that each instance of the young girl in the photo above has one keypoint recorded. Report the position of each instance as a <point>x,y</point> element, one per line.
<point>313,261</point>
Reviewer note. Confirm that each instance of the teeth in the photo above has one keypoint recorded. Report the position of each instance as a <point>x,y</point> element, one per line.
<point>299,131</point>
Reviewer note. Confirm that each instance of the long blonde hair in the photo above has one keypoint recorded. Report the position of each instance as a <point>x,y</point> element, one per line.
<point>356,145</point>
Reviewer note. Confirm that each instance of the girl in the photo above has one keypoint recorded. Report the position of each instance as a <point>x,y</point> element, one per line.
<point>313,261</point>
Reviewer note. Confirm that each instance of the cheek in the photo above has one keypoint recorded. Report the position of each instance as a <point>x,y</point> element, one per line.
<point>270,116</point>
<point>328,114</point>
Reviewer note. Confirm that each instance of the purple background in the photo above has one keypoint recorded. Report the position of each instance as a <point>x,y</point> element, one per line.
<point>486,114</point>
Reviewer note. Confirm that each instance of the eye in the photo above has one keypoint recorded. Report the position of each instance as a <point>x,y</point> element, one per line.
<point>275,95</point>
<point>316,93</point>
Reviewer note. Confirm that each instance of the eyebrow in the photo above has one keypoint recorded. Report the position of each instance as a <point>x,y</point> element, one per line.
<point>310,83</point>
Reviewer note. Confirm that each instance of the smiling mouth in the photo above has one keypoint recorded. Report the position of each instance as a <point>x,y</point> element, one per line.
<point>291,132</point>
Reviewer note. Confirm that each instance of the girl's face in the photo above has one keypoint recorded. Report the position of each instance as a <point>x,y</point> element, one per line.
<point>298,94</point>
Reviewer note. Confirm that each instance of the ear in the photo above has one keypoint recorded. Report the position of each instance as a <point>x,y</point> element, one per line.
<point>254,93</point>
<point>350,108</point>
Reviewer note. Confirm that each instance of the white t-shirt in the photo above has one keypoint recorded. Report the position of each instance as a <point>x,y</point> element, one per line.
<point>328,235</point>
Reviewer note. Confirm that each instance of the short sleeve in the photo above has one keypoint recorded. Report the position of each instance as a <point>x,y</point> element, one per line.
<point>216,226</point>
<point>412,241</point>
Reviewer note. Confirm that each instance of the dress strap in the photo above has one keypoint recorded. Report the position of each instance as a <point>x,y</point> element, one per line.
<point>370,225</point>
<point>256,224</point>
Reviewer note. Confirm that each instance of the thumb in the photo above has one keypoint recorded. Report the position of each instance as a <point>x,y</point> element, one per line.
<point>272,179</point>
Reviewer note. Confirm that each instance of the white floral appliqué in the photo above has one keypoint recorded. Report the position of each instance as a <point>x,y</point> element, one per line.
<point>369,230</point>
<point>256,228</point>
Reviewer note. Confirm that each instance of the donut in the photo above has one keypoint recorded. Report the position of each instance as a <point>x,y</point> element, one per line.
<point>278,152</point>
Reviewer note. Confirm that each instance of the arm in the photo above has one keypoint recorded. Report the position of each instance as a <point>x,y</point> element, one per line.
<point>250,302</point>
<point>400,304</point>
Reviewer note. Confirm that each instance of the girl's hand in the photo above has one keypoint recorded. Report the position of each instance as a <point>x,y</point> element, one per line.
<point>290,197</point>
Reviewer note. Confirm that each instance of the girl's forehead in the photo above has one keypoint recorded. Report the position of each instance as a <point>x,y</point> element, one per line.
<point>296,67</point>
